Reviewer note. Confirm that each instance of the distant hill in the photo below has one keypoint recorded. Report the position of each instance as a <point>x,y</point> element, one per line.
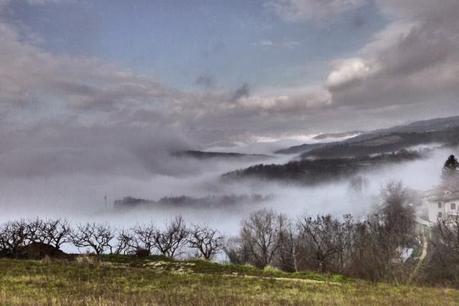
<point>441,130</point>
<point>300,148</point>
<point>385,143</point>
<point>323,140</point>
<point>219,155</point>
<point>426,125</point>
<point>314,171</point>
<point>187,201</point>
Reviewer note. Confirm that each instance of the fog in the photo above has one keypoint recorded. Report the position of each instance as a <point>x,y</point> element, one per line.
<point>89,196</point>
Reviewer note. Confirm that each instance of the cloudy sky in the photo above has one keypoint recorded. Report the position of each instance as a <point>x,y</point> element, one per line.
<point>105,80</point>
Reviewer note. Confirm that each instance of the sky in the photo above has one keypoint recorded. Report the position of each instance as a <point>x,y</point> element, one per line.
<point>112,86</point>
<point>190,44</point>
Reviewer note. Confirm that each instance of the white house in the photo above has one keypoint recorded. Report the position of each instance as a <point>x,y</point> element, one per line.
<point>442,203</point>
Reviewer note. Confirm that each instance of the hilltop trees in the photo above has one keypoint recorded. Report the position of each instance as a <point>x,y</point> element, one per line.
<point>372,248</point>
<point>15,235</point>
<point>167,242</point>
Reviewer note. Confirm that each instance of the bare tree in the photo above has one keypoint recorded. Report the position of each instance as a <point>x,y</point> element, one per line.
<point>98,237</point>
<point>320,243</point>
<point>236,251</point>
<point>172,239</point>
<point>125,242</point>
<point>381,241</point>
<point>285,255</point>
<point>398,215</point>
<point>370,253</point>
<point>34,230</point>
<point>53,232</point>
<point>13,235</point>
<point>443,263</point>
<point>145,237</point>
<point>260,237</point>
<point>206,241</point>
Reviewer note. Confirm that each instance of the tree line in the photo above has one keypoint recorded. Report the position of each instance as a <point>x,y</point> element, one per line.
<point>16,237</point>
<point>385,245</point>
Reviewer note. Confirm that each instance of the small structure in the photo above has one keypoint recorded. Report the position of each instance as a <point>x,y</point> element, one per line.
<point>442,203</point>
<point>38,250</point>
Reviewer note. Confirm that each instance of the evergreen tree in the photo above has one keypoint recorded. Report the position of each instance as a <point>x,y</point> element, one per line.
<point>451,163</point>
<point>450,176</point>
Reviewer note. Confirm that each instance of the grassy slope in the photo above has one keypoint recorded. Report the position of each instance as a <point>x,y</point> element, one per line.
<point>118,280</point>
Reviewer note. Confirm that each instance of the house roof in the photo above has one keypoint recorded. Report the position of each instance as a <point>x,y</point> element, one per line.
<point>443,195</point>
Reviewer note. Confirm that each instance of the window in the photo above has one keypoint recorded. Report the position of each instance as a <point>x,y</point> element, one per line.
<point>439,204</point>
<point>439,214</point>
<point>453,206</point>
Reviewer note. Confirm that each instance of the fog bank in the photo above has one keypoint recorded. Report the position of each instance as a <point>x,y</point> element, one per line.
<point>87,197</point>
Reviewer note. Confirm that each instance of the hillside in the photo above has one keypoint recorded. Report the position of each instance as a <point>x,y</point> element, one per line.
<point>119,280</point>
<point>441,130</point>
<point>315,171</point>
<point>219,155</point>
<point>385,143</point>
<point>186,201</point>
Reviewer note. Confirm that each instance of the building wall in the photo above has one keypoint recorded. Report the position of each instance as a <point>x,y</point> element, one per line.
<point>446,208</point>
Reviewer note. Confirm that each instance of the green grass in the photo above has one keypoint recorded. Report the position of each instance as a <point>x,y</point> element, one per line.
<point>115,280</point>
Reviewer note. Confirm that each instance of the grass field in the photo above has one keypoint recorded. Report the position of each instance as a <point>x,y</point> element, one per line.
<point>158,281</point>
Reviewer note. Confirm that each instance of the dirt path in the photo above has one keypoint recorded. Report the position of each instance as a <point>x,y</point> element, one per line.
<point>301,280</point>
<point>425,244</point>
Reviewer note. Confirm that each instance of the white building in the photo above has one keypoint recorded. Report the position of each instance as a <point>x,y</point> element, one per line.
<point>442,203</point>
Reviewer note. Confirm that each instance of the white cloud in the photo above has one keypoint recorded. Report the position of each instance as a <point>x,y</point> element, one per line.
<point>348,71</point>
<point>266,43</point>
<point>287,44</point>
<point>299,102</point>
<point>414,60</point>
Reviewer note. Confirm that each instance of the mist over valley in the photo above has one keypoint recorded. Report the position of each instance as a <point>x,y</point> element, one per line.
<point>221,188</point>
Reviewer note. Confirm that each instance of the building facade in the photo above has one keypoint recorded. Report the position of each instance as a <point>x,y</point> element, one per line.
<point>442,203</point>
